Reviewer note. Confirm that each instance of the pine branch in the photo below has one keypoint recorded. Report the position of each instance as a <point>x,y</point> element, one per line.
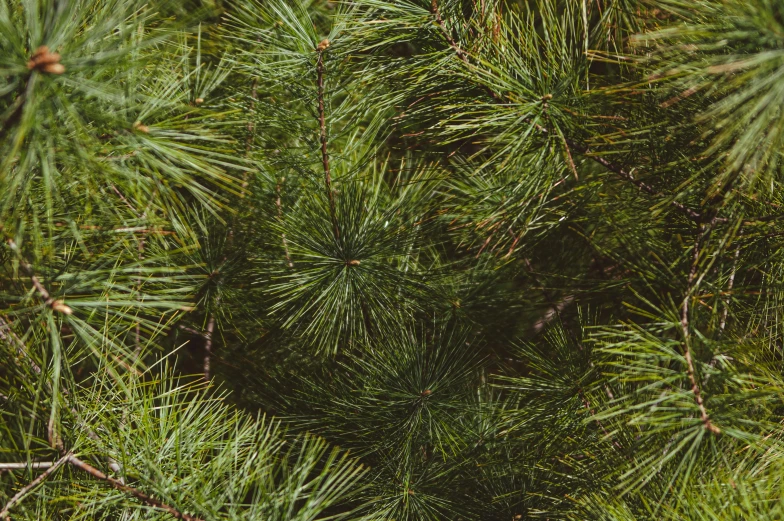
<point>30,486</point>
<point>55,305</point>
<point>642,186</point>
<point>568,143</point>
<point>141,496</point>
<point>701,235</point>
<point>323,135</point>
<point>21,349</point>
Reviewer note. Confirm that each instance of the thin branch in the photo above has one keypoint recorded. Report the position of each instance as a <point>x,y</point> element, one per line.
<point>706,421</point>
<point>323,136</point>
<point>279,206</point>
<point>25,465</point>
<point>30,486</point>
<point>54,304</point>
<point>642,186</point>
<point>18,106</point>
<point>8,335</point>
<point>552,312</point>
<point>208,346</point>
<point>254,95</point>
<point>141,496</point>
<point>730,283</point>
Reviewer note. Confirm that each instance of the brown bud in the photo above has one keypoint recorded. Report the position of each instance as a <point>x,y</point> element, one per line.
<point>198,101</point>
<point>44,61</point>
<point>53,68</point>
<point>547,97</point>
<point>41,50</point>
<point>141,128</point>
<point>60,307</point>
<point>323,45</point>
<point>46,58</point>
<point>427,392</point>
<point>353,263</point>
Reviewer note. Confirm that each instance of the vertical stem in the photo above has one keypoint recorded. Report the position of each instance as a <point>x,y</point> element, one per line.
<point>323,138</point>
<point>138,332</point>
<point>254,95</point>
<point>730,283</point>
<point>695,388</point>
<point>208,346</point>
<point>279,205</point>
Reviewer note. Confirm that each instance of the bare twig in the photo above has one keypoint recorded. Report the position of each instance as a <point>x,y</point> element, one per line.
<point>208,345</point>
<point>730,283</point>
<point>709,426</point>
<point>30,486</point>
<point>8,335</point>
<point>141,496</point>
<point>254,95</point>
<point>25,465</point>
<point>54,304</point>
<point>323,136</point>
<point>552,312</point>
<point>279,206</point>
<point>18,105</point>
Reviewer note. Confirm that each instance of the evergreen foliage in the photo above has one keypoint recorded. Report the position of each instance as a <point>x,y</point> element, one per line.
<point>391,259</point>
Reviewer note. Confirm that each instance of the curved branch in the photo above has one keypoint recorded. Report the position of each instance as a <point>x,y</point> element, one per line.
<point>695,388</point>
<point>141,496</point>
<point>30,486</point>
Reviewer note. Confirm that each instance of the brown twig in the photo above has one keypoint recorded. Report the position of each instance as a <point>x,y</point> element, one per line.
<point>25,465</point>
<point>552,312</point>
<point>254,95</point>
<point>323,135</point>
<point>54,304</point>
<point>30,486</point>
<point>141,496</point>
<point>279,206</point>
<point>208,345</point>
<point>18,106</point>
<point>21,348</point>
<point>730,283</point>
<point>695,388</point>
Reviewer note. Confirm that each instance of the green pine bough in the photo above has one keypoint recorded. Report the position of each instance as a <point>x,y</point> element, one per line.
<point>391,260</point>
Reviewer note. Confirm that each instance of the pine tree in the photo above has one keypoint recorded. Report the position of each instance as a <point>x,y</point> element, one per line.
<point>391,259</point>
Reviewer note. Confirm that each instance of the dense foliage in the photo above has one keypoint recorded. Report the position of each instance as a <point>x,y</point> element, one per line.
<point>391,260</point>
